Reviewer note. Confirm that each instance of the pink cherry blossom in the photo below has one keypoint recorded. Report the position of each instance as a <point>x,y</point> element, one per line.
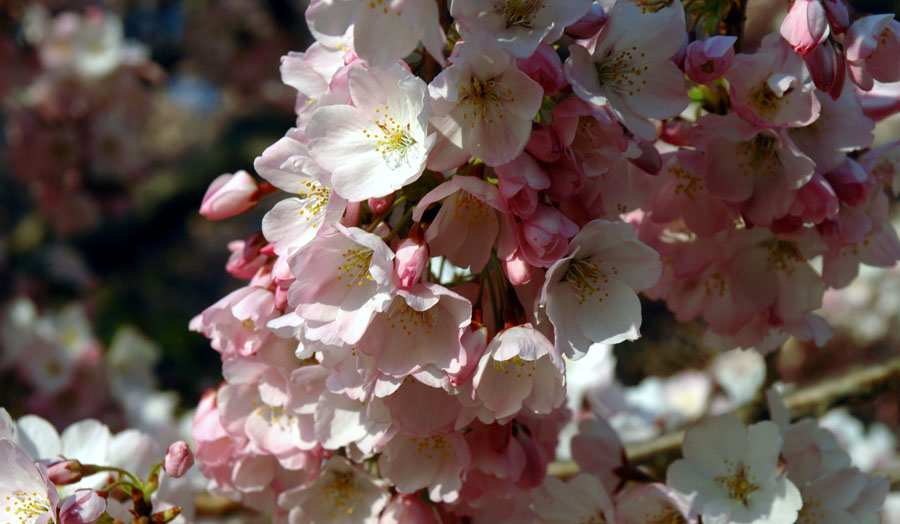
<point>347,283</point>
<point>590,294</point>
<point>519,369</point>
<point>438,462</point>
<point>28,494</point>
<point>805,25</point>
<point>871,48</point>
<point>379,144</point>
<point>729,473</point>
<point>772,87</point>
<point>518,26</point>
<point>628,70</point>
<point>420,327</point>
<point>382,33</point>
<point>483,104</point>
<point>343,493</point>
<point>468,222</point>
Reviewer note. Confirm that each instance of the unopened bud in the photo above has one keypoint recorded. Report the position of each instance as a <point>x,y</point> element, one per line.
<point>708,59</point>
<point>410,262</point>
<point>179,459</point>
<point>381,204</point>
<point>230,195</point>
<point>65,472</point>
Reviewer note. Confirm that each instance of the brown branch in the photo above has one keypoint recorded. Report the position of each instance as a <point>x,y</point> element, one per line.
<point>854,387</point>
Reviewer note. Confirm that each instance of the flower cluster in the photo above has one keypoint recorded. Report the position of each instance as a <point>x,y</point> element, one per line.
<point>87,474</point>
<point>468,212</point>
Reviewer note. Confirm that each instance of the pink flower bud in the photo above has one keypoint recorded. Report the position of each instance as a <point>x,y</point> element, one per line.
<point>838,16</point>
<point>65,472</point>
<point>544,144</point>
<point>851,182</point>
<point>85,506</point>
<point>230,195</point>
<point>246,259</point>
<point>381,204</point>
<point>545,68</point>
<point>707,60</point>
<point>517,270</point>
<point>410,262</point>
<point>589,24</point>
<point>351,214</point>
<point>827,67</point>
<point>179,459</point>
<point>805,26</point>
<point>544,236</point>
<point>815,201</point>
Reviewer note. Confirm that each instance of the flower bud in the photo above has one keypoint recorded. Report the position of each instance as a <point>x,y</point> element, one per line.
<point>544,144</point>
<point>545,68</point>
<point>65,472</point>
<point>805,26</point>
<point>246,259</point>
<point>838,16</point>
<point>827,67</point>
<point>410,262</point>
<point>815,201</point>
<point>179,459</point>
<point>517,270</point>
<point>230,195</point>
<point>851,182</point>
<point>381,204</point>
<point>544,236</point>
<point>707,60</point>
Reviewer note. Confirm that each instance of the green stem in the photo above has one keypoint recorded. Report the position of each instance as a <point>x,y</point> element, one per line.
<point>96,469</point>
<point>403,220</point>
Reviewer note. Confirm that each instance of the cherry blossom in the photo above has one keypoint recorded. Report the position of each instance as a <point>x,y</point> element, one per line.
<point>378,144</point>
<point>629,71</point>
<point>729,473</point>
<point>598,279</point>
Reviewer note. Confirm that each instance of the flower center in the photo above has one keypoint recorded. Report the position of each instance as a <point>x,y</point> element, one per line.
<point>586,276</point>
<point>739,484</point>
<point>765,101</point>
<point>517,365</point>
<point>617,71</point>
<point>484,98</point>
<point>26,506</point>
<point>783,256</point>
<point>315,199</point>
<point>519,12</point>
<point>392,139</point>
<point>340,494</point>
<point>408,320</point>
<point>758,155</point>
<point>429,446</point>
<point>470,209</point>
<point>355,266</point>
<point>686,184</point>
